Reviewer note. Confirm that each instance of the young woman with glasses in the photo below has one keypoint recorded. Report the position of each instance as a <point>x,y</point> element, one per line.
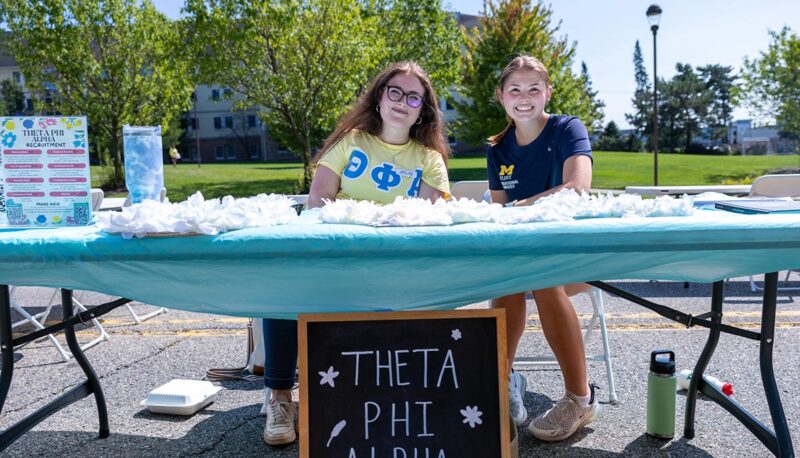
<point>390,144</point>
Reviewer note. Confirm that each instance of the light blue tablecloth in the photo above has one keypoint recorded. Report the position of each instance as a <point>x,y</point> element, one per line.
<point>312,267</point>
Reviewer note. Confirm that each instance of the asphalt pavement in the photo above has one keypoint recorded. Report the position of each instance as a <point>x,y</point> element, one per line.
<point>177,344</point>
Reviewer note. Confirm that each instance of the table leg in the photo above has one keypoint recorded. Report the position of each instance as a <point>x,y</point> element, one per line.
<point>705,357</point>
<point>784,439</point>
<point>6,344</point>
<point>80,358</point>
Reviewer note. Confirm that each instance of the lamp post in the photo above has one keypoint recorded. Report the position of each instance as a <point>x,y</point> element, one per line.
<point>653,17</point>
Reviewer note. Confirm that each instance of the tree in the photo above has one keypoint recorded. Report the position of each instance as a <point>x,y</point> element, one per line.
<point>682,106</point>
<point>116,61</point>
<point>611,139</point>
<point>421,31</point>
<point>303,62</point>
<point>771,82</point>
<point>597,105</point>
<point>508,28</point>
<point>720,82</point>
<point>13,98</point>
<point>642,117</point>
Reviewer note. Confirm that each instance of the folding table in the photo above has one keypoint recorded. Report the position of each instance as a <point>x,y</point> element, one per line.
<point>308,266</point>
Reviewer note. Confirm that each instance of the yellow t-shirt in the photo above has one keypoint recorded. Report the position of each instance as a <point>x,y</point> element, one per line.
<point>371,169</point>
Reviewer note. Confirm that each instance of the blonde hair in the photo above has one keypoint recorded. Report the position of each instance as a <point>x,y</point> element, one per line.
<point>363,116</point>
<point>521,62</point>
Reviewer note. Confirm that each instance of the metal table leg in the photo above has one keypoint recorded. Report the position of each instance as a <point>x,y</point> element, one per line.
<point>705,357</point>
<point>783,442</point>
<point>80,358</point>
<point>90,386</point>
<point>6,345</point>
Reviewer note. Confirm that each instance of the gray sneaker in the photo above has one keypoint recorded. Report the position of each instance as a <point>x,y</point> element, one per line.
<point>516,393</point>
<point>564,418</point>
<point>280,423</point>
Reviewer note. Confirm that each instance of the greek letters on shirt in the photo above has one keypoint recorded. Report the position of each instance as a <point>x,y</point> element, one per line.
<point>506,174</point>
<point>385,176</point>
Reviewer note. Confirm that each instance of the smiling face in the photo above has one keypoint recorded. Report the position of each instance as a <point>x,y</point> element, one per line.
<point>398,115</point>
<point>524,95</point>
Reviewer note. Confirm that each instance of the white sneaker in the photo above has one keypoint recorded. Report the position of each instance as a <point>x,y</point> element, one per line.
<point>280,423</point>
<point>564,418</point>
<point>516,392</point>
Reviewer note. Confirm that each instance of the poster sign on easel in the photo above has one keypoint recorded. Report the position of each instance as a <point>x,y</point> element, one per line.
<point>403,385</point>
<point>45,171</point>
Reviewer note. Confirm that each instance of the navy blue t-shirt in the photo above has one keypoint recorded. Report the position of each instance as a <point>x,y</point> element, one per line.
<point>524,171</point>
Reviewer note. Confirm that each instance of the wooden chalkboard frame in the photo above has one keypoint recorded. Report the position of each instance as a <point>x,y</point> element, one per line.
<point>502,359</point>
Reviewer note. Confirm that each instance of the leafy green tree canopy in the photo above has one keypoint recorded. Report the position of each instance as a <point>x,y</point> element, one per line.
<point>116,61</point>
<point>509,28</point>
<point>303,62</point>
<point>12,98</point>
<point>771,82</point>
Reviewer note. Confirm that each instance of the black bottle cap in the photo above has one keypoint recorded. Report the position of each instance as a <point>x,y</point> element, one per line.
<point>662,362</point>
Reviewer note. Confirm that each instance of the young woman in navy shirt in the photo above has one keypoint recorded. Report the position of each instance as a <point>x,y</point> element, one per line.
<point>538,154</point>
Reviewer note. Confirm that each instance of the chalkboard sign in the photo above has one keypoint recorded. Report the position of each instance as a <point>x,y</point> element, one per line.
<point>404,385</point>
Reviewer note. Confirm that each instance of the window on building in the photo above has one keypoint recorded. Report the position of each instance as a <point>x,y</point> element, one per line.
<point>255,150</point>
<point>251,120</point>
<point>217,122</point>
<point>447,105</point>
<point>28,104</point>
<point>452,140</point>
<point>219,153</point>
<point>17,77</point>
<point>282,149</point>
<point>229,122</point>
<point>215,95</point>
<point>231,153</point>
<point>193,123</point>
<point>228,92</point>
<point>193,153</point>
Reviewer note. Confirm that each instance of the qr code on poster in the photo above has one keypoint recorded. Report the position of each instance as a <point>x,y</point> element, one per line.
<point>2,200</point>
<point>81,214</point>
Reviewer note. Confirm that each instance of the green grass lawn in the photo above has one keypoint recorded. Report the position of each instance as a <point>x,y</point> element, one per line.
<point>612,170</point>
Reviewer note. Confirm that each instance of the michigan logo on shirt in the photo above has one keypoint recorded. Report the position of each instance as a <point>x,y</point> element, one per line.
<point>506,171</point>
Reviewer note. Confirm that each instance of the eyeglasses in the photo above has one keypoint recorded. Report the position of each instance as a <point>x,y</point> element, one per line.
<point>396,94</point>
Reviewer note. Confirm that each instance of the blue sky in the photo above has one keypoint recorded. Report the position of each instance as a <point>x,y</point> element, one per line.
<point>697,32</point>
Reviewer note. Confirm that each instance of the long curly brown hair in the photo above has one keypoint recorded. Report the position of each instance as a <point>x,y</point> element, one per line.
<point>363,116</point>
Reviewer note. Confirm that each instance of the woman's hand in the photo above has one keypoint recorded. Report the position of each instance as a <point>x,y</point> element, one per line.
<point>427,191</point>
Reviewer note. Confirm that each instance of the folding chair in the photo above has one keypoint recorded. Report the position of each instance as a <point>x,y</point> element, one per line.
<point>598,319</point>
<point>787,185</point>
<point>38,320</point>
<point>477,190</point>
<point>162,197</point>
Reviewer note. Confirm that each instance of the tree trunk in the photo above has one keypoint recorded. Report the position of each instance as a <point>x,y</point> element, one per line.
<point>116,153</point>
<point>308,174</point>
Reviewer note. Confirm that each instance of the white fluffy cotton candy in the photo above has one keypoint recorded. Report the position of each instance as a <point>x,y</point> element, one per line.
<point>197,215</point>
<point>407,212</point>
<point>561,206</point>
<point>568,204</point>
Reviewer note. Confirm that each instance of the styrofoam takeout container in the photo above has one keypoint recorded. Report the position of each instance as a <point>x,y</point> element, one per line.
<point>181,397</point>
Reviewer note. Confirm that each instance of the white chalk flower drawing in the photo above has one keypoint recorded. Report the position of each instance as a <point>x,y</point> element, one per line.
<point>472,416</point>
<point>327,377</point>
<point>456,334</point>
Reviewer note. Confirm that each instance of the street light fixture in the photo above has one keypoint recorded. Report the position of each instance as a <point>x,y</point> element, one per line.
<point>654,17</point>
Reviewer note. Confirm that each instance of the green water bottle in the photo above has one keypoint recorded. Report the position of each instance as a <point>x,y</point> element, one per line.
<point>661,395</point>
